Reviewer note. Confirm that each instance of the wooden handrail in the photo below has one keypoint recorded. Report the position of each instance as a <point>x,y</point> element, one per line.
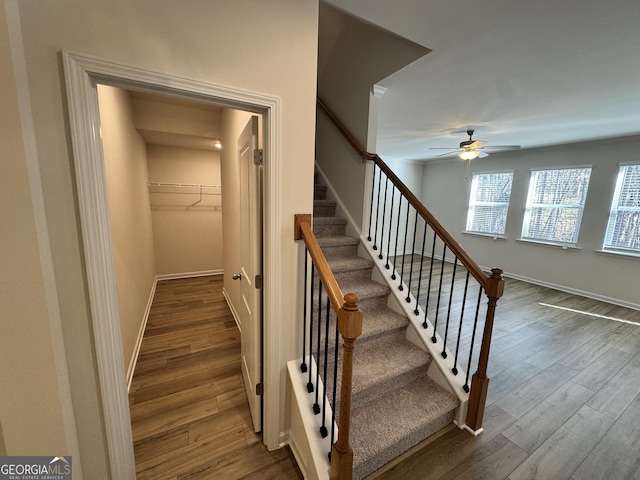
<point>303,231</point>
<point>451,243</point>
<point>345,133</point>
<point>493,285</point>
<point>350,319</point>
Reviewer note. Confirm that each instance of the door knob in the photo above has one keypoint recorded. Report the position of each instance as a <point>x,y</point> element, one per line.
<point>237,276</point>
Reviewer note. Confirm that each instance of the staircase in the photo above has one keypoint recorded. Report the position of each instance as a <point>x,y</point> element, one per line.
<point>395,405</point>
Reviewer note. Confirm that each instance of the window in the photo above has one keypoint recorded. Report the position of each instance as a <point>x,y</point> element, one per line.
<point>554,205</point>
<point>623,229</point>
<point>488,202</point>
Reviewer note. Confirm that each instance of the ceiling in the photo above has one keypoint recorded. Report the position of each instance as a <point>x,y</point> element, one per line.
<point>176,122</point>
<point>530,73</point>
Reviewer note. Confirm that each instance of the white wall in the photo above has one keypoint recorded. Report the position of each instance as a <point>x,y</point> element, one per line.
<point>187,227</point>
<point>344,85</point>
<point>345,170</point>
<point>446,193</point>
<point>125,162</point>
<point>274,52</point>
<point>32,398</point>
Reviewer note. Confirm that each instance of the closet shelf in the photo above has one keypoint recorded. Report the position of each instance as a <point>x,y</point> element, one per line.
<point>184,185</point>
<point>194,188</point>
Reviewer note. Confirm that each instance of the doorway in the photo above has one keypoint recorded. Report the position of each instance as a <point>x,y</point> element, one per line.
<point>83,74</point>
<point>164,161</point>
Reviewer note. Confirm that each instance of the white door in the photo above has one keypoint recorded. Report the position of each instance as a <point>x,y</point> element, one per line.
<point>251,269</point>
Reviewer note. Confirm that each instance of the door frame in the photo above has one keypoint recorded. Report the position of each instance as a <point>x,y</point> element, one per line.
<point>82,74</point>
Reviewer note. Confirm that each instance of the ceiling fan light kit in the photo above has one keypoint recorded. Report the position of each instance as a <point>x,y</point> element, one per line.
<point>471,149</point>
<point>468,154</point>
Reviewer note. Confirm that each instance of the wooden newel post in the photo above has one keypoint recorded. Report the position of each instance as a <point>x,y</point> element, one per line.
<point>480,381</point>
<point>350,327</point>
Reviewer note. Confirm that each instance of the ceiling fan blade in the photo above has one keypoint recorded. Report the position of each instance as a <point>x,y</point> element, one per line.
<point>482,154</point>
<point>502,147</point>
<point>440,148</point>
<point>447,153</point>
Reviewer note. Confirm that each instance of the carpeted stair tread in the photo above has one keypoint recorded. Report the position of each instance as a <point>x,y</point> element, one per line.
<point>329,226</point>
<point>325,202</point>
<point>321,221</point>
<point>320,192</point>
<point>364,289</point>
<point>329,221</point>
<point>384,364</point>
<point>347,264</point>
<point>324,208</point>
<point>395,405</point>
<point>382,321</point>
<point>387,427</point>
<point>337,241</point>
<point>376,323</point>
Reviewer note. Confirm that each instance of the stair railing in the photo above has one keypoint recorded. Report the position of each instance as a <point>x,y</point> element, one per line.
<point>435,274</point>
<point>320,302</point>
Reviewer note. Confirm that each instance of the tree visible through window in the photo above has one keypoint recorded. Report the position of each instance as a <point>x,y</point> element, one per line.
<point>555,203</point>
<point>623,229</point>
<point>489,202</point>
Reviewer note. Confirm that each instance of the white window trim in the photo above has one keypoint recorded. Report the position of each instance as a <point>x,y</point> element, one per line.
<point>470,208</point>
<point>547,243</point>
<point>615,200</point>
<point>619,253</point>
<point>483,234</point>
<point>528,207</point>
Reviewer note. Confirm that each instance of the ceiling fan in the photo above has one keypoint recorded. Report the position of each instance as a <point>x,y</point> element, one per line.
<point>470,149</point>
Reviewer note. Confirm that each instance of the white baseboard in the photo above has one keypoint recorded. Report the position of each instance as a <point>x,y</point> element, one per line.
<point>573,291</point>
<point>176,276</point>
<point>555,286</point>
<point>236,317</point>
<point>300,460</point>
<point>143,326</point>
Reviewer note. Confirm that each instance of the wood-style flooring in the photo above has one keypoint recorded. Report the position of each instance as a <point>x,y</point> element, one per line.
<point>563,402</point>
<point>189,411</point>
<point>564,395</point>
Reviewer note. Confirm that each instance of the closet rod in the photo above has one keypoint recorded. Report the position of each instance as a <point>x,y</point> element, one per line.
<point>183,185</point>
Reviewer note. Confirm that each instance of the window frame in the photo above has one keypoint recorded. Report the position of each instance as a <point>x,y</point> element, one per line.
<point>530,206</point>
<point>472,204</point>
<point>613,211</point>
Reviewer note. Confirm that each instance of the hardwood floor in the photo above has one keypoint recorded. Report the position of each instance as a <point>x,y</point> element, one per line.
<point>564,396</point>
<point>189,411</point>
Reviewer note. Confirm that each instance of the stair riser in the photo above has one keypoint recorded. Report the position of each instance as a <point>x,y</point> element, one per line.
<point>351,275</point>
<point>380,389</point>
<point>330,230</point>
<point>331,347</point>
<point>373,304</point>
<point>324,211</point>
<point>340,251</point>
<point>320,192</point>
<point>369,304</point>
<point>343,277</point>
